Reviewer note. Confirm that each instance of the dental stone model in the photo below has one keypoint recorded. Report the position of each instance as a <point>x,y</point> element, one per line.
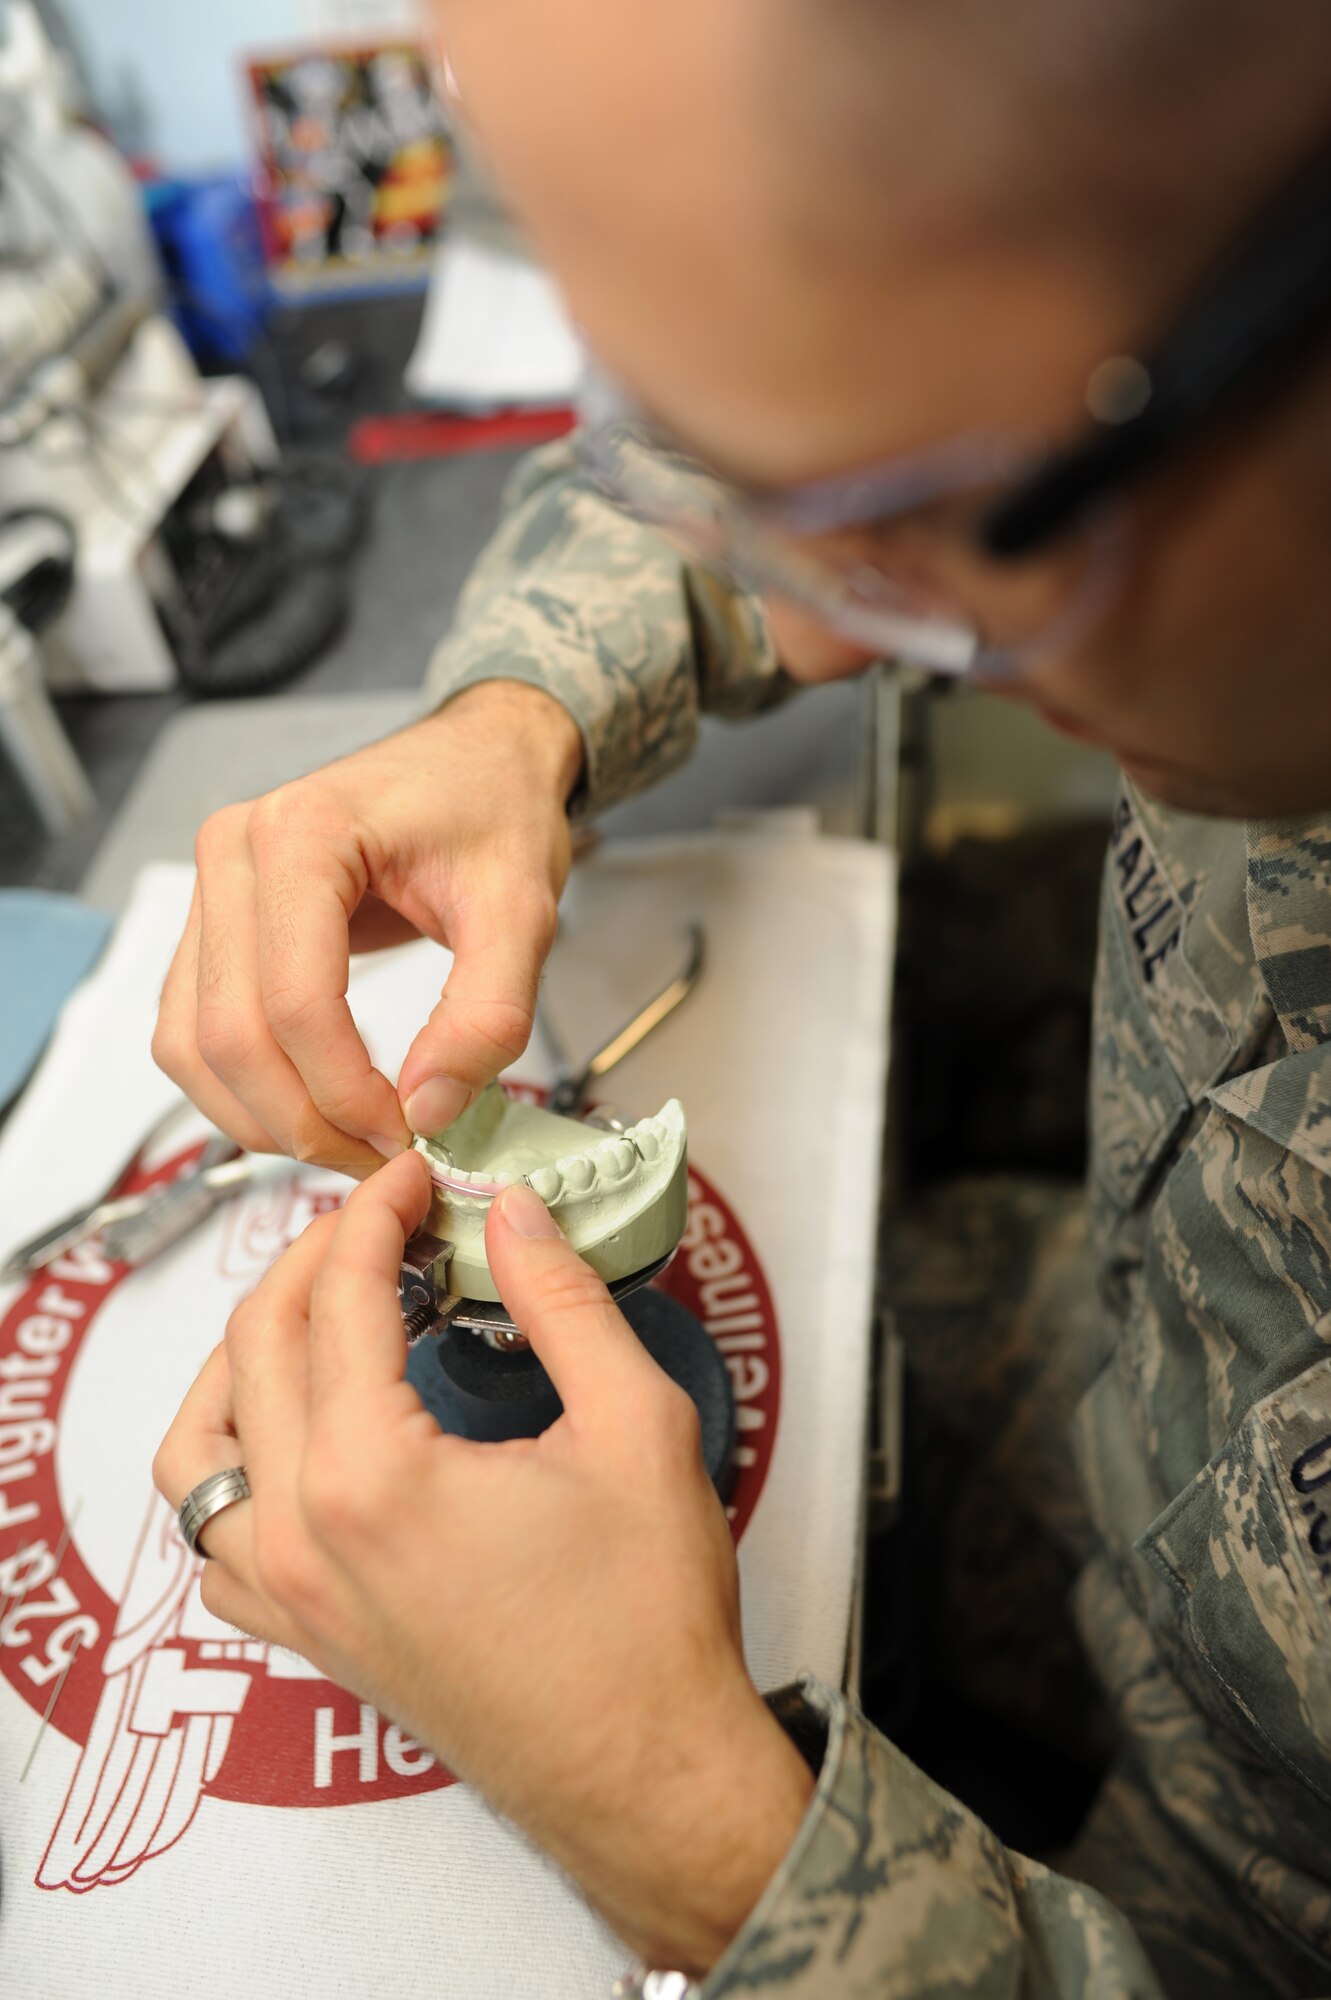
<point>620,1198</point>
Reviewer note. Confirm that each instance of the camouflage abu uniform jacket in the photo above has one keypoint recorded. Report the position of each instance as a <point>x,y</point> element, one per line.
<point>1203,1442</point>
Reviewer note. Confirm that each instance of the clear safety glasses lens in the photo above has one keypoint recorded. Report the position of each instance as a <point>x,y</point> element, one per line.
<point>916,586</point>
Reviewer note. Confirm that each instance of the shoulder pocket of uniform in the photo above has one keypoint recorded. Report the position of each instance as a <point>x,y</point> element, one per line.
<point>1138,1103</point>
<point>1246,1550</point>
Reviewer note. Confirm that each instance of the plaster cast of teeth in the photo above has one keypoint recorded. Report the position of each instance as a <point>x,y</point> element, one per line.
<point>622,1202</point>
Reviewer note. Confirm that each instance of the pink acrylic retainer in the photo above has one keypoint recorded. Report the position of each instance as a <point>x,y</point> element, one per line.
<point>483,1190</point>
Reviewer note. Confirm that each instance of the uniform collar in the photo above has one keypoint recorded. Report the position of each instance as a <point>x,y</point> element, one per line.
<point>1289,918</point>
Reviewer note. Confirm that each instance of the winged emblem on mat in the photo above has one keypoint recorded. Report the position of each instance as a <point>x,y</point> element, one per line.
<point>161,1728</point>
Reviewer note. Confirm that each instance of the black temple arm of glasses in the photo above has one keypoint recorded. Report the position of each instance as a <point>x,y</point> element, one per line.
<point>1264,307</point>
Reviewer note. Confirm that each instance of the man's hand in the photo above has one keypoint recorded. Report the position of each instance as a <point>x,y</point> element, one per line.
<point>557,1618</point>
<point>455,830</point>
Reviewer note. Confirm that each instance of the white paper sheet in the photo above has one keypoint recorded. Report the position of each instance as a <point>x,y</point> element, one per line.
<point>205,1818</point>
<point>495,334</point>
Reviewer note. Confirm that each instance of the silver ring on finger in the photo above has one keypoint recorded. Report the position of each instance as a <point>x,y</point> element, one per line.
<point>209,1497</point>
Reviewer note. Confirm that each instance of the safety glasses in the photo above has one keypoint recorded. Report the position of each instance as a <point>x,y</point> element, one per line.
<point>985,553</point>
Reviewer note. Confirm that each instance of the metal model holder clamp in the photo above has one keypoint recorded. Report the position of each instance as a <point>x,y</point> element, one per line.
<point>494,1388</point>
<point>428,1306</point>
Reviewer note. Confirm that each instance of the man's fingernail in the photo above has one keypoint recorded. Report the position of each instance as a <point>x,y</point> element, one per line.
<point>434,1104</point>
<point>526,1214</point>
<point>390,1148</point>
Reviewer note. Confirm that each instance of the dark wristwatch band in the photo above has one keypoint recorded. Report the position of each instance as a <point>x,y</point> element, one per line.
<point>802,1722</point>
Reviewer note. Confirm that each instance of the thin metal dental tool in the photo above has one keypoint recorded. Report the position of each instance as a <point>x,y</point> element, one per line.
<point>138,1227</point>
<point>61,1548</point>
<point>12,1600</point>
<point>571,1087</point>
<point>49,1710</point>
<point>73,1229</point>
<point>179,1206</point>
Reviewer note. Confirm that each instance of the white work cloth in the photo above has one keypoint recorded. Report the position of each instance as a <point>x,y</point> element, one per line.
<point>209,1818</point>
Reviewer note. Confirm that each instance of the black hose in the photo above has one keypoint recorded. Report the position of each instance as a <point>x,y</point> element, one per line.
<point>266,652</point>
<point>290,599</point>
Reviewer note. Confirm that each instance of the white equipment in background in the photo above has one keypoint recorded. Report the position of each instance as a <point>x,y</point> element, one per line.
<point>36,577</point>
<point>103,416</point>
<point>30,731</point>
<point>116,458</point>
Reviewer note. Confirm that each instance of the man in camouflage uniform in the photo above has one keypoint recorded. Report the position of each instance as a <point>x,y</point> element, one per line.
<point>1183,1347</point>
<point>1161,1363</point>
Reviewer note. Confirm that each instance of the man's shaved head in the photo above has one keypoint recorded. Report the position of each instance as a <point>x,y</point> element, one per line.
<point>1116,123</point>
<point>814,236</point>
<point>1085,52</point>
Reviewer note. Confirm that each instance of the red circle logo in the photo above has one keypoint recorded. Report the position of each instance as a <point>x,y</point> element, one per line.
<point>167,1704</point>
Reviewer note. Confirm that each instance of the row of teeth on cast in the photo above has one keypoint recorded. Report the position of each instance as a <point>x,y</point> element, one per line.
<point>609,1165</point>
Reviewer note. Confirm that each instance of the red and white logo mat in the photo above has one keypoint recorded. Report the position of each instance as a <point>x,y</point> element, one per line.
<point>99,1604</point>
